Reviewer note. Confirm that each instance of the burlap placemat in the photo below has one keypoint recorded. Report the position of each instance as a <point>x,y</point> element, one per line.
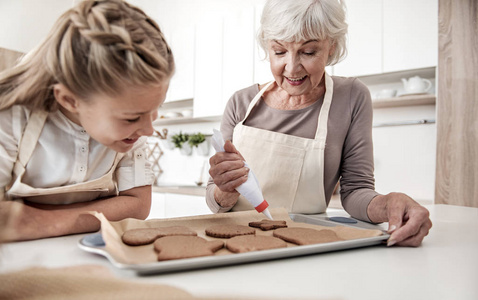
<point>88,283</point>
<point>78,283</point>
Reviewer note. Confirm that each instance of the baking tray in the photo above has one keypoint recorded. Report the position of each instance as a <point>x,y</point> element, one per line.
<point>94,243</point>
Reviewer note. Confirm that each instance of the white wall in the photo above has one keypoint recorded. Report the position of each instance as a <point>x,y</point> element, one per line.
<point>24,23</point>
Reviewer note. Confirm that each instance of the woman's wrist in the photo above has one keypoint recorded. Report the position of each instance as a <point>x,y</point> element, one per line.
<point>377,209</point>
<point>225,199</point>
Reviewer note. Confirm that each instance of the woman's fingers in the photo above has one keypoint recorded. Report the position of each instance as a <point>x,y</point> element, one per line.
<point>228,171</point>
<point>416,240</point>
<point>415,226</point>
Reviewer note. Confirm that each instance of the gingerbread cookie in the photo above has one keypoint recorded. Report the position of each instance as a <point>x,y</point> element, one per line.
<point>306,236</point>
<point>246,243</point>
<point>229,231</point>
<point>268,224</point>
<point>177,247</point>
<point>144,236</point>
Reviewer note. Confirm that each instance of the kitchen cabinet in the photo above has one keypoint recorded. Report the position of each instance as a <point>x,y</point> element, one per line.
<point>404,156</point>
<point>208,75</point>
<point>410,34</point>
<point>224,59</point>
<point>182,41</point>
<point>262,72</point>
<point>238,56</point>
<point>389,36</point>
<point>457,155</point>
<point>177,205</point>
<point>364,39</point>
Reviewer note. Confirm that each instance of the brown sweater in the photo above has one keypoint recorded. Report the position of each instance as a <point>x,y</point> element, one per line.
<point>348,151</point>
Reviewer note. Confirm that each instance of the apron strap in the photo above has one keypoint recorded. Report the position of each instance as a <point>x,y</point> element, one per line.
<point>255,99</point>
<point>17,122</point>
<point>321,133</point>
<point>30,137</point>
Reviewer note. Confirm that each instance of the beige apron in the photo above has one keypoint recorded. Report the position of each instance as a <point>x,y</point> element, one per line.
<point>290,169</point>
<point>80,192</point>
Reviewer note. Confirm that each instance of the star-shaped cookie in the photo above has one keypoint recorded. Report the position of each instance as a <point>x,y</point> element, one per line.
<point>268,224</point>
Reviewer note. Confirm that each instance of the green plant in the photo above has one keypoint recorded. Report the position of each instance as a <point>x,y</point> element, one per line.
<point>179,139</point>
<point>196,139</point>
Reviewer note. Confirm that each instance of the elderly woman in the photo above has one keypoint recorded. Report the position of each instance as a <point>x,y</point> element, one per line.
<point>305,130</point>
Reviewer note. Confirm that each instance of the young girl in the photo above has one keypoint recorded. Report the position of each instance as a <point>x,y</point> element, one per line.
<point>72,114</point>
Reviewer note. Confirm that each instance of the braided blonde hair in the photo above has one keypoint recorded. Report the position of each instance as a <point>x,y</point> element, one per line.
<point>96,47</point>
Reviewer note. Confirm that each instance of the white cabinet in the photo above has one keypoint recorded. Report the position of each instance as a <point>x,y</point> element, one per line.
<point>224,59</point>
<point>208,79</point>
<point>176,21</point>
<point>182,40</point>
<point>238,53</point>
<point>364,40</point>
<point>410,39</point>
<point>167,205</point>
<point>389,36</point>
<point>262,71</point>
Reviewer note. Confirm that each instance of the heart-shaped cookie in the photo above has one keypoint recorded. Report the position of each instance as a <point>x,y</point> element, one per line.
<point>144,236</point>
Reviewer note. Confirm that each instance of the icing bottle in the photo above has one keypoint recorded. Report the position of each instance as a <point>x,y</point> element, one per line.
<point>249,189</point>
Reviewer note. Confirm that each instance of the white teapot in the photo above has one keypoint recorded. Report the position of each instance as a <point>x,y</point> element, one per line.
<point>416,84</point>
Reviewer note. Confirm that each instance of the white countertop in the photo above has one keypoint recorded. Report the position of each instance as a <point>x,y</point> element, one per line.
<point>444,267</point>
<point>192,190</point>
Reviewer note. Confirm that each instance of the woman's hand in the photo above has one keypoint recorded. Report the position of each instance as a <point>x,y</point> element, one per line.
<point>228,171</point>
<point>409,222</point>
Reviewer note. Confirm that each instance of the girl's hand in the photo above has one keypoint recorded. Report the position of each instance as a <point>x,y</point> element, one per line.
<point>30,221</point>
<point>409,222</point>
<point>228,171</point>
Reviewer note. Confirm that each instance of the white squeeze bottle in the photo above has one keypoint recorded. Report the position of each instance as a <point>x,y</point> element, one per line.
<point>249,189</point>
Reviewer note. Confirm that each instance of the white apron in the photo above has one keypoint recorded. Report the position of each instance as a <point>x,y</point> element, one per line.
<point>80,192</point>
<point>290,169</point>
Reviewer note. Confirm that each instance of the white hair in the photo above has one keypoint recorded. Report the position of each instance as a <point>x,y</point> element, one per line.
<point>300,20</point>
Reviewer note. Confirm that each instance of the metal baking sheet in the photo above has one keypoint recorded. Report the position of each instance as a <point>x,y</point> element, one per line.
<point>93,243</point>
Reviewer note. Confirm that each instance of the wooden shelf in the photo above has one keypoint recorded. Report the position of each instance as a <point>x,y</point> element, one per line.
<point>178,104</point>
<point>183,120</point>
<point>409,100</point>
<point>384,78</point>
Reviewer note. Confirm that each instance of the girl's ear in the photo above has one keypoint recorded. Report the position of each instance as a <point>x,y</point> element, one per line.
<point>65,98</point>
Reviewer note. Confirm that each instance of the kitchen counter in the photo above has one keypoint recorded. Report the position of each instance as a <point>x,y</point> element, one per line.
<point>192,190</point>
<point>444,267</point>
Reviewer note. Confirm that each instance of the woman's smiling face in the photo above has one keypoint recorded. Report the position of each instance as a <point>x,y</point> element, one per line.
<point>298,67</point>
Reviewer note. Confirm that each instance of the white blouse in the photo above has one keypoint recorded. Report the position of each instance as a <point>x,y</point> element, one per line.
<point>65,154</point>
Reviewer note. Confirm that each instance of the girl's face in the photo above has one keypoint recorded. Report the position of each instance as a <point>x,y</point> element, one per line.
<point>298,67</point>
<point>117,122</point>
